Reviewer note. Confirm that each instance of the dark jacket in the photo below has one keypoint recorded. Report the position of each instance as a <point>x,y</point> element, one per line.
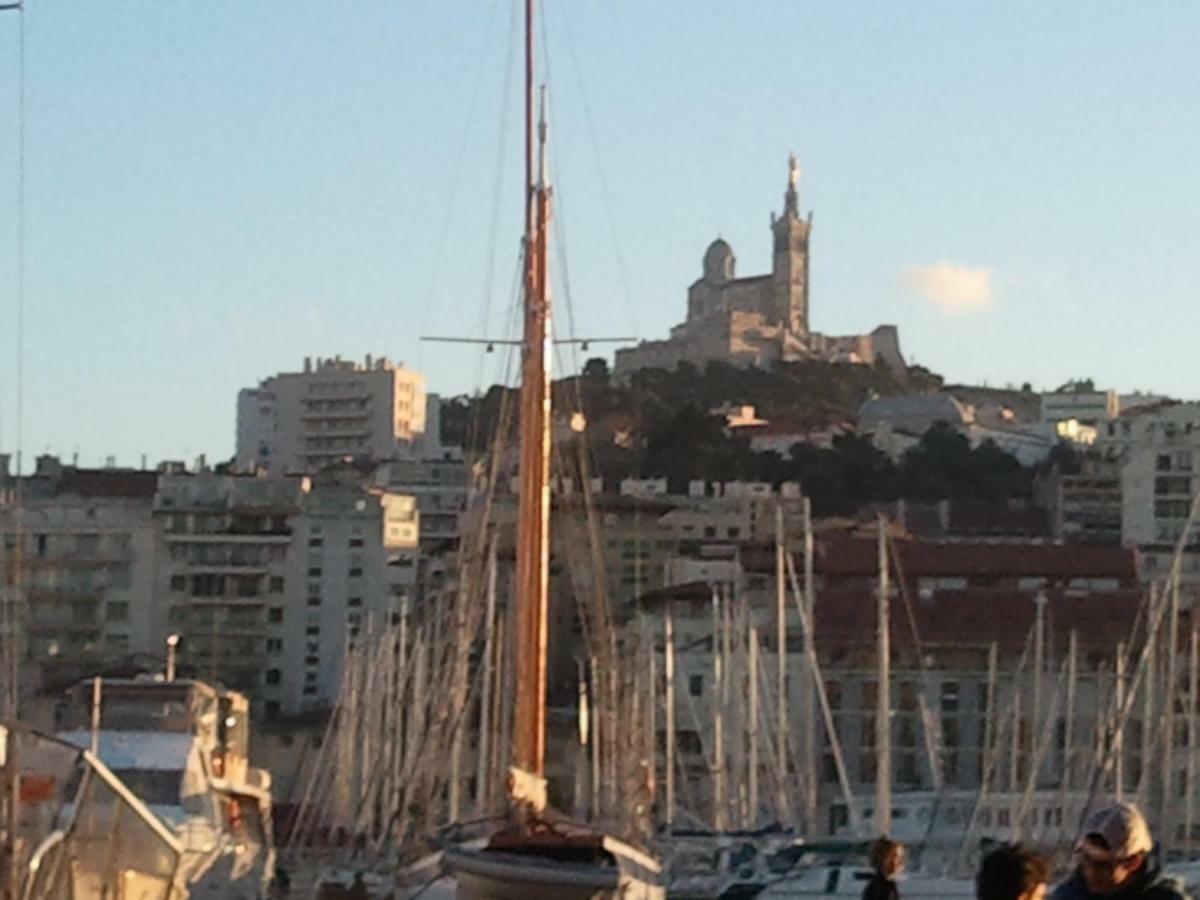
<point>1148,884</point>
<point>880,888</point>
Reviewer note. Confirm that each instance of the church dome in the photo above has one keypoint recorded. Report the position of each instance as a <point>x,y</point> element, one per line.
<point>719,261</point>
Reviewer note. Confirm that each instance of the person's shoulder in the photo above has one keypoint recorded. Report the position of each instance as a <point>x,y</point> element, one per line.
<point>1070,889</point>
<point>1166,887</point>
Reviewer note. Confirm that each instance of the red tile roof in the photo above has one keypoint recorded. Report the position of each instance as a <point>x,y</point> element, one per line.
<point>973,618</point>
<point>1000,558</point>
<point>960,618</point>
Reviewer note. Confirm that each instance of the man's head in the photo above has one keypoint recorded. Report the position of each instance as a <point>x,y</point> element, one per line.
<point>887,856</point>
<point>1112,847</point>
<point>1012,872</point>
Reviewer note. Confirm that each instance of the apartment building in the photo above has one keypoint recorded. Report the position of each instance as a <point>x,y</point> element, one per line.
<point>297,422</point>
<point>266,580</point>
<point>441,488</point>
<point>352,572</point>
<point>80,549</point>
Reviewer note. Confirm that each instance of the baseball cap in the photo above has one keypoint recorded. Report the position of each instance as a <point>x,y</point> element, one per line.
<point>1121,827</point>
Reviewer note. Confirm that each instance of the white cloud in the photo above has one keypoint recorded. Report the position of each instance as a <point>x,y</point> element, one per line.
<point>955,290</point>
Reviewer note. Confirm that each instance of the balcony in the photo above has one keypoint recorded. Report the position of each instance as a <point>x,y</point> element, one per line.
<point>316,415</point>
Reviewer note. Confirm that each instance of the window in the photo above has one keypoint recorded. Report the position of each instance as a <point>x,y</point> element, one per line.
<point>949,696</point>
<point>833,693</point>
<point>355,573</point>
<point>276,584</point>
<point>695,685</point>
<point>118,576</point>
<point>274,676</point>
<point>310,690</point>
<point>314,599</point>
<point>275,614</point>
<point>179,582</point>
<point>314,571</point>
<point>274,646</point>
<point>272,708</point>
<point>688,743</point>
<point>1162,464</point>
<point>315,541</point>
<point>354,601</point>
<point>356,542</point>
<point>312,630</point>
<point>116,611</point>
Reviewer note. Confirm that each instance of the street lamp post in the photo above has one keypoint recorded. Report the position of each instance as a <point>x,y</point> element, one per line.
<point>172,643</point>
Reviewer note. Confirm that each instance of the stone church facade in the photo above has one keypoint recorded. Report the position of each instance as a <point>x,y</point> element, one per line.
<point>761,320</point>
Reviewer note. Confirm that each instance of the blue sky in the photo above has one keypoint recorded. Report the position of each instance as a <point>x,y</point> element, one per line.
<point>216,190</point>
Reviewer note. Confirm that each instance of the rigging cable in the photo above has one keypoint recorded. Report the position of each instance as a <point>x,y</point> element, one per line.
<point>12,610</point>
<point>497,192</point>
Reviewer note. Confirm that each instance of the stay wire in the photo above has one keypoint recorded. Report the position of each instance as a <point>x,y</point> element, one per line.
<point>498,182</point>
<point>457,180</point>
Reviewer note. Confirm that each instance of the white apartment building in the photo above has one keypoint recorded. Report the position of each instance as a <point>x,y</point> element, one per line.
<point>297,422</point>
<point>442,488</point>
<point>352,571</point>
<point>266,580</point>
<point>1152,455</point>
<point>1085,407</point>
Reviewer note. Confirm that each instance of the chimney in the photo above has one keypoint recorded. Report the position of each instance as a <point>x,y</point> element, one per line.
<point>143,462</point>
<point>307,364</point>
<point>368,365</point>
<point>5,460</point>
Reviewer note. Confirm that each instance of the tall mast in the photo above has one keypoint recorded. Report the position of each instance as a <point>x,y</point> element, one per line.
<point>781,685</point>
<point>669,699</point>
<point>883,699</point>
<point>1190,782</point>
<point>533,509</point>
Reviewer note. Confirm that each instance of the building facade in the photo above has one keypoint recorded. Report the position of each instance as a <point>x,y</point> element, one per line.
<point>298,422</point>
<point>956,607</point>
<point>266,580</point>
<point>78,561</point>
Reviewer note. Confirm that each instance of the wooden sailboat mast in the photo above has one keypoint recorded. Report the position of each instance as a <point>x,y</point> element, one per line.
<point>533,509</point>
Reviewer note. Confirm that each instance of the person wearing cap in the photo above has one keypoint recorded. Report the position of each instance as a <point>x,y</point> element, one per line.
<point>1012,872</point>
<point>1114,859</point>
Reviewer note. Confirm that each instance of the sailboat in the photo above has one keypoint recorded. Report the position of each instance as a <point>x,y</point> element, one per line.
<point>539,853</point>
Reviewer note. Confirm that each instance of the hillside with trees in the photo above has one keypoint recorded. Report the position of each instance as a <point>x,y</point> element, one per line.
<point>666,424</point>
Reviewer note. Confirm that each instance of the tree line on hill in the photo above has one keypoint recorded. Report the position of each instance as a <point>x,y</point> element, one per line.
<point>661,424</point>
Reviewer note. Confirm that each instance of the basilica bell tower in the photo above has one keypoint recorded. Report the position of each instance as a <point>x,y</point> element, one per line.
<point>789,266</point>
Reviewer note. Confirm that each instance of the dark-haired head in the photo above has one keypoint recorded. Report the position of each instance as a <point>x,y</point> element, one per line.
<point>1012,872</point>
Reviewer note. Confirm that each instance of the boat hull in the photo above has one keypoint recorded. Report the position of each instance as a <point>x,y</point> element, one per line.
<point>497,875</point>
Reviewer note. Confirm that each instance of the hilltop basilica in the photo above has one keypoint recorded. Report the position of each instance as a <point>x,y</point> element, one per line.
<point>763,319</point>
